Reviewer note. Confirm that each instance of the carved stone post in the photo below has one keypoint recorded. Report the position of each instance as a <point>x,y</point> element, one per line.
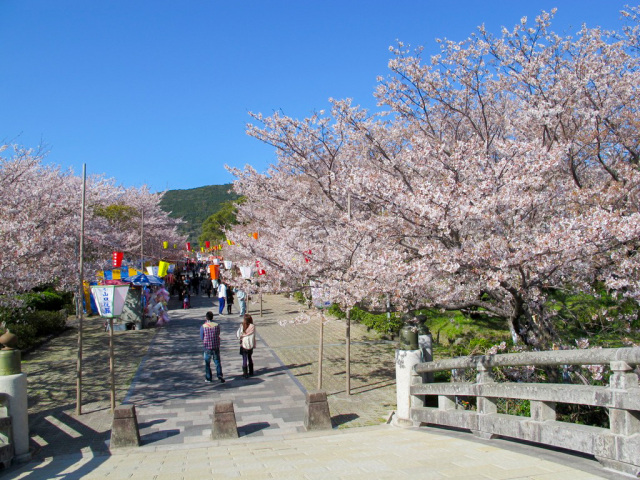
<point>485,405</point>
<point>543,411</point>
<point>405,377</point>
<point>224,421</point>
<point>623,422</point>
<point>124,431</point>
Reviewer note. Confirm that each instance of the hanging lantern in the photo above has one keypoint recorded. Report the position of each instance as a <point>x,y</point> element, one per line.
<point>117,259</point>
<point>216,261</point>
<point>163,268</point>
<point>214,272</point>
<point>246,272</point>
<point>255,235</point>
<point>165,245</point>
<point>228,264</point>
<point>230,242</point>
<point>207,244</point>
<point>110,299</point>
<point>188,246</point>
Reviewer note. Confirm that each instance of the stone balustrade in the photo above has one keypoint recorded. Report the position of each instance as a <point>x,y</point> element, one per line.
<point>616,447</point>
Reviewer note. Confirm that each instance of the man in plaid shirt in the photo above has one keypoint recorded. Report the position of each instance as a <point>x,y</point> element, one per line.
<point>210,336</point>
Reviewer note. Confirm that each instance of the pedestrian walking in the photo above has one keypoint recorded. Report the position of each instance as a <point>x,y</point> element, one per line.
<point>222,296</point>
<point>186,303</point>
<point>195,283</point>
<point>210,336</point>
<point>230,296</point>
<point>247,335</point>
<point>242,301</point>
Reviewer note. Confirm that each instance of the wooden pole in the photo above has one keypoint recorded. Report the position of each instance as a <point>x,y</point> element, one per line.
<point>348,353</point>
<point>111,366</point>
<point>81,297</point>
<point>348,332</point>
<point>320,350</point>
<point>142,240</point>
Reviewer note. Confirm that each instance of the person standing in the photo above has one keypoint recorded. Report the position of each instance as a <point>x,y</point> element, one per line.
<point>242,301</point>
<point>222,296</point>
<point>230,296</point>
<point>247,335</point>
<point>210,336</point>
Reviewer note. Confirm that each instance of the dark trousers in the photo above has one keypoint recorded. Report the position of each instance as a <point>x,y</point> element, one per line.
<point>247,361</point>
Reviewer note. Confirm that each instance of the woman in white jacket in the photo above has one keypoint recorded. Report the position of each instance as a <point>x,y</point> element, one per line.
<point>247,335</point>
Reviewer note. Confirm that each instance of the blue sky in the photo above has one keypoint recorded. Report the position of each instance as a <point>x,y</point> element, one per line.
<point>157,92</point>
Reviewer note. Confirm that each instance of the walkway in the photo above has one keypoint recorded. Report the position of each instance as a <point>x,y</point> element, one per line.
<point>174,407</point>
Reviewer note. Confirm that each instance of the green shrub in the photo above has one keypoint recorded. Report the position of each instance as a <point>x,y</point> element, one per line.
<point>334,310</point>
<point>375,321</point>
<point>47,300</point>
<point>26,334</point>
<point>47,323</point>
<point>300,298</point>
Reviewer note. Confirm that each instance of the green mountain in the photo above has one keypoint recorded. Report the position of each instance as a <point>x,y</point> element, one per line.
<point>195,205</point>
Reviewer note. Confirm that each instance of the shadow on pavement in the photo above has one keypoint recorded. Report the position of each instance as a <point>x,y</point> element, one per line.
<point>252,428</point>
<point>338,420</point>
<point>158,436</point>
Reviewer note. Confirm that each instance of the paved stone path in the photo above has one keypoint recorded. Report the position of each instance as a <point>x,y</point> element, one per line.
<point>173,402</point>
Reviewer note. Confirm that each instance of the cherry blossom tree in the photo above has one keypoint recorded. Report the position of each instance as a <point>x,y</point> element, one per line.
<point>497,171</point>
<point>40,222</point>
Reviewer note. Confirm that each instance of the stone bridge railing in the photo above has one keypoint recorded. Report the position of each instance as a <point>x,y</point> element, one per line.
<point>616,447</point>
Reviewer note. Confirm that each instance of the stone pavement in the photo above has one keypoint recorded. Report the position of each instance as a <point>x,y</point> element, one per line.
<point>175,406</point>
<point>173,402</point>
<point>380,452</point>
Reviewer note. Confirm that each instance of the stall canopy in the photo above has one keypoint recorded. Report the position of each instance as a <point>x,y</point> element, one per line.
<point>117,273</point>
<point>141,280</point>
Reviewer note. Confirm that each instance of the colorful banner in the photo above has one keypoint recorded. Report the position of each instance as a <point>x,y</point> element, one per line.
<point>118,273</point>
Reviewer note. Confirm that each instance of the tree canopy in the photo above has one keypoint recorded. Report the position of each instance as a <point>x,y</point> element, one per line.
<point>495,172</point>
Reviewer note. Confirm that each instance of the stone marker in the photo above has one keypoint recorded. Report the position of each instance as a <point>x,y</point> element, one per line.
<point>124,432</point>
<point>317,416</point>
<point>224,421</point>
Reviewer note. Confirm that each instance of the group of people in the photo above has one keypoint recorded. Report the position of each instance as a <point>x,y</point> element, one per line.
<point>226,296</point>
<point>210,336</point>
